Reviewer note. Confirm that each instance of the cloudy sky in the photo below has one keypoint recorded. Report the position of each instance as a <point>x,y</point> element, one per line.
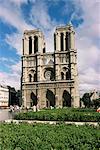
<point>18,15</point>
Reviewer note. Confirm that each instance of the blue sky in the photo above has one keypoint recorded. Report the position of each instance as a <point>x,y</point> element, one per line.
<point>18,15</point>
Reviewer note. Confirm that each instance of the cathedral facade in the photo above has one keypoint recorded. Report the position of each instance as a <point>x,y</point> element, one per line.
<point>50,79</point>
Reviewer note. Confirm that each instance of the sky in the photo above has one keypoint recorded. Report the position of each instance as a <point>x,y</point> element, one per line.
<point>19,15</point>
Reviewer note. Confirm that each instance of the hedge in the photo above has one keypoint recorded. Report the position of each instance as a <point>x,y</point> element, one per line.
<point>66,114</point>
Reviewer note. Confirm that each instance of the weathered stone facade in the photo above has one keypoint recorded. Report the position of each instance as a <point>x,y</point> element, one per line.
<point>50,79</point>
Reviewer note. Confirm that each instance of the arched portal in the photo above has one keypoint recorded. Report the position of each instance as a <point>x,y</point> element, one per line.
<point>66,99</point>
<point>33,99</point>
<point>50,98</point>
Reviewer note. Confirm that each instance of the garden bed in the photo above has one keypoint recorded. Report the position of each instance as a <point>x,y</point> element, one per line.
<point>24,136</point>
<point>66,114</point>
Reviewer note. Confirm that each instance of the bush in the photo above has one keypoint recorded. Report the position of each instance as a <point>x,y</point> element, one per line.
<point>42,137</point>
<point>66,114</point>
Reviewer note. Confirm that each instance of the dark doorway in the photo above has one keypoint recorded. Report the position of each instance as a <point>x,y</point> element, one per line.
<point>66,99</point>
<point>34,99</point>
<point>50,98</point>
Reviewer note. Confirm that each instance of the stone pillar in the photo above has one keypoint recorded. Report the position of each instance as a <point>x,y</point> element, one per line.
<point>72,71</point>
<point>72,96</point>
<point>64,41</point>
<point>32,44</point>
<point>40,44</point>
<point>60,98</point>
<point>57,66</point>
<point>72,40</point>
<point>58,41</point>
<point>72,61</point>
<point>23,46</point>
<point>42,95</point>
<point>26,46</point>
<point>57,97</point>
<point>25,98</point>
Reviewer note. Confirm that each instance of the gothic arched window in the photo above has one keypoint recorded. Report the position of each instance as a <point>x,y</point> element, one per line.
<point>35,44</point>
<point>67,75</point>
<point>35,77</point>
<point>61,41</point>
<point>30,78</point>
<point>30,45</point>
<point>62,76</point>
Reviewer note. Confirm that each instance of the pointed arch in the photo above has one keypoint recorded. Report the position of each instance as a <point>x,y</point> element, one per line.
<point>62,76</point>
<point>30,45</point>
<point>66,99</point>
<point>68,75</point>
<point>35,77</point>
<point>30,78</point>
<point>61,41</point>
<point>35,44</point>
<point>50,98</point>
<point>33,99</point>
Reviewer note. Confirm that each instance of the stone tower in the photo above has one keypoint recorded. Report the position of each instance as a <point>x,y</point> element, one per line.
<point>50,79</point>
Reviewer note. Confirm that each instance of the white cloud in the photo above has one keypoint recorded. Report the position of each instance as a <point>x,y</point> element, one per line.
<point>15,41</point>
<point>10,79</point>
<point>18,2</point>
<point>12,15</point>
<point>13,78</point>
<point>88,33</point>
<point>41,19</point>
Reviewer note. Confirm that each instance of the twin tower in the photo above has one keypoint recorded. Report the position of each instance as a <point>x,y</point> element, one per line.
<point>50,79</point>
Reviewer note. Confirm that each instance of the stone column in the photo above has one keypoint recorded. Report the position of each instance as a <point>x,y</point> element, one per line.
<point>72,61</point>
<point>60,98</point>
<point>72,40</point>
<point>42,95</point>
<point>58,41</point>
<point>39,44</point>
<point>24,98</point>
<point>26,46</point>
<point>72,96</point>
<point>64,41</point>
<point>32,44</point>
<point>57,97</point>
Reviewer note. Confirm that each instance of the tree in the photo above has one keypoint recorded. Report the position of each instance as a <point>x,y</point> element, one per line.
<point>96,103</point>
<point>86,100</point>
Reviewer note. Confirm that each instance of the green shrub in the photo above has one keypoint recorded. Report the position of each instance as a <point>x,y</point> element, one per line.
<point>66,114</point>
<point>49,137</point>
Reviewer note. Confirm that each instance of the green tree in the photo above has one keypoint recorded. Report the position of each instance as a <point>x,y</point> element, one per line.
<point>86,100</point>
<point>96,103</point>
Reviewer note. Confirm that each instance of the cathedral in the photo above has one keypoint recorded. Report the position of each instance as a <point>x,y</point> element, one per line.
<point>49,79</point>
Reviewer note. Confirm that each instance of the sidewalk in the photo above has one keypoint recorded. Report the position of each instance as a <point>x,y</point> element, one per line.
<point>50,122</point>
